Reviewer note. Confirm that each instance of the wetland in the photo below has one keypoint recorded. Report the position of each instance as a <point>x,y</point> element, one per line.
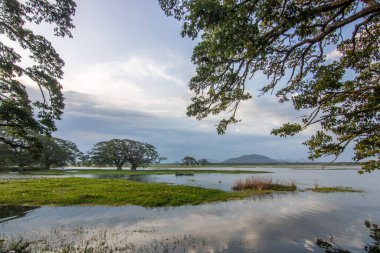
<point>293,221</point>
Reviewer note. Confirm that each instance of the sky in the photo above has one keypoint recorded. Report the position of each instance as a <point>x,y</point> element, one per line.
<point>126,75</point>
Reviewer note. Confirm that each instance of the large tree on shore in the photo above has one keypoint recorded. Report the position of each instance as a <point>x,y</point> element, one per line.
<point>54,152</point>
<point>118,152</point>
<point>57,152</point>
<point>17,111</point>
<point>289,41</point>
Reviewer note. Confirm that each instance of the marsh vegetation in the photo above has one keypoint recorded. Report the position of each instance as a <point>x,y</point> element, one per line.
<point>262,184</point>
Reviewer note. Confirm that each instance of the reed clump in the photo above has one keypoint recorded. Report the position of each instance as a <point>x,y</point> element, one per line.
<point>263,184</point>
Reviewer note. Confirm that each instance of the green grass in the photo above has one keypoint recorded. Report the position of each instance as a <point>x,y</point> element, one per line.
<point>334,189</point>
<point>111,192</point>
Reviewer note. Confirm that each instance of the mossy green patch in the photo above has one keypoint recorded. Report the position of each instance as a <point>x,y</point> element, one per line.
<point>334,189</point>
<point>83,191</point>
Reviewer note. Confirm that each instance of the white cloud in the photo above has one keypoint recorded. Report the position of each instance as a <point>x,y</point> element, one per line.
<point>154,84</point>
<point>333,55</point>
<point>261,114</point>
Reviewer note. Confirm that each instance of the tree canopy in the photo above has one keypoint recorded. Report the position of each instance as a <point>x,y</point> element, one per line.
<point>203,162</point>
<point>118,152</point>
<point>289,41</point>
<point>54,152</point>
<point>57,152</point>
<point>17,111</point>
<point>189,160</point>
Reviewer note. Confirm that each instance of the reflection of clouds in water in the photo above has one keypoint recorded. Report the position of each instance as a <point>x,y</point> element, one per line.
<point>309,245</point>
<point>214,227</point>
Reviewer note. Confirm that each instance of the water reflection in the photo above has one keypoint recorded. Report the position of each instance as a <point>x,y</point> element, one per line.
<point>332,246</point>
<point>8,212</point>
<point>110,176</point>
<point>302,178</point>
<point>283,223</point>
<point>213,181</point>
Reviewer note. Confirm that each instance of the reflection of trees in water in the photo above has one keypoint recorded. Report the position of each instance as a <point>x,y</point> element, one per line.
<point>270,195</point>
<point>374,247</point>
<point>12,212</point>
<point>112,176</point>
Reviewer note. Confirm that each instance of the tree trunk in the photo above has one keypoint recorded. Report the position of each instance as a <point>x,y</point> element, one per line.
<point>134,166</point>
<point>119,167</point>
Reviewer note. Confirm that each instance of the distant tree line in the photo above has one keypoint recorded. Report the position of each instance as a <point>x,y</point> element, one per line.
<point>55,152</point>
<point>189,160</point>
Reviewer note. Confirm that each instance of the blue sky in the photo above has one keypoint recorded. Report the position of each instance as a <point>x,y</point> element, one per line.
<point>126,76</point>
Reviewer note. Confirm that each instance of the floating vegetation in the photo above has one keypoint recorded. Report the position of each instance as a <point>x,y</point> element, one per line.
<point>333,189</point>
<point>184,174</point>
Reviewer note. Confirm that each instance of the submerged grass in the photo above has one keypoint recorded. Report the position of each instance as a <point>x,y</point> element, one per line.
<point>262,184</point>
<point>333,189</point>
<point>113,192</point>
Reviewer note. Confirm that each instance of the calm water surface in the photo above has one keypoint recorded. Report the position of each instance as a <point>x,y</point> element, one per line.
<point>279,223</point>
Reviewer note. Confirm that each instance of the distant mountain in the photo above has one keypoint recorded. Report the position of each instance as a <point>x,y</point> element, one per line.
<point>296,161</point>
<point>213,161</point>
<point>254,158</point>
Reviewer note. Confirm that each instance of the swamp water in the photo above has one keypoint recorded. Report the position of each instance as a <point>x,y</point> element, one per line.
<point>291,222</point>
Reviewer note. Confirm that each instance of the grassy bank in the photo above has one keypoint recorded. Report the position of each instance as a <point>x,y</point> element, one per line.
<point>112,192</point>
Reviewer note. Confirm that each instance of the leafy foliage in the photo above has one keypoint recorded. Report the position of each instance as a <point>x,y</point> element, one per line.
<point>118,152</point>
<point>16,156</point>
<point>54,152</point>
<point>17,111</point>
<point>58,152</point>
<point>287,41</point>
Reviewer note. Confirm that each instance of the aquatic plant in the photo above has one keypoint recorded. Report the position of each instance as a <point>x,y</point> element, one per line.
<point>263,183</point>
<point>333,189</point>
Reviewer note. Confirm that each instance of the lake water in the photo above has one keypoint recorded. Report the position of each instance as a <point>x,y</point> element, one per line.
<point>289,222</point>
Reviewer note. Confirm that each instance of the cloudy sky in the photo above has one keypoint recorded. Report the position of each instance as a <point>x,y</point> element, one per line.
<point>126,76</point>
